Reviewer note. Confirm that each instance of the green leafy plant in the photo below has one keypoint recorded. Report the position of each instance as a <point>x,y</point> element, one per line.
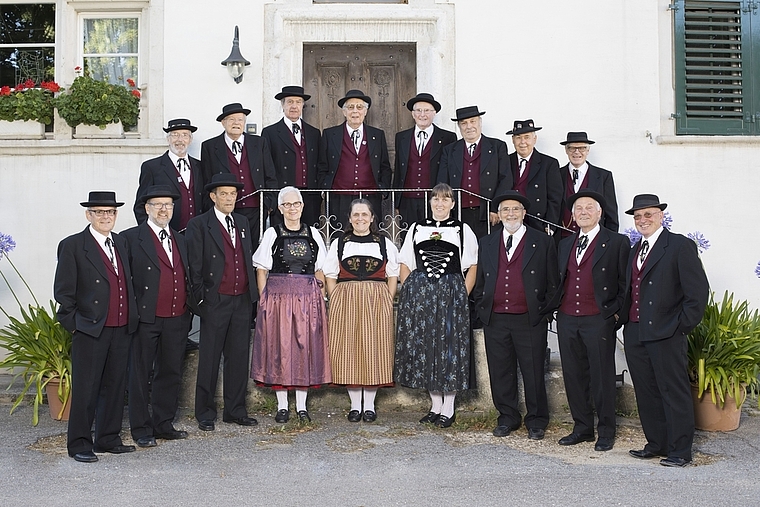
<point>92,102</point>
<point>26,102</point>
<point>724,350</point>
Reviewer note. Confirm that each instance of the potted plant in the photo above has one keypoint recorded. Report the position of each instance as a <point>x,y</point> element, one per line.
<point>38,346</point>
<point>91,102</point>
<point>26,109</point>
<point>724,361</point>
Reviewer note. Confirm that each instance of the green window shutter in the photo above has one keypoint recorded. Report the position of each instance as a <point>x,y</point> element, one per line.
<point>713,67</point>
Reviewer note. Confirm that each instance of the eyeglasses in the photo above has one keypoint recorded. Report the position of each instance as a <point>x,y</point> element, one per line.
<point>161,205</point>
<point>180,135</point>
<point>103,212</point>
<point>580,149</point>
<point>424,111</point>
<point>513,210</point>
<point>294,205</point>
<point>351,107</point>
<point>649,214</point>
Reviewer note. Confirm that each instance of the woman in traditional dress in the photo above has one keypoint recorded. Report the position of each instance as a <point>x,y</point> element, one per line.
<point>290,343</point>
<point>433,328</point>
<point>361,270</point>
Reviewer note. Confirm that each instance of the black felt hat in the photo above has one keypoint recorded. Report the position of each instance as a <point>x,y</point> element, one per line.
<point>292,91</point>
<point>223,180</point>
<point>158,191</point>
<point>577,137</point>
<point>467,112</point>
<point>642,201</point>
<point>423,97</point>
<point>509,195</point>
<point>229,109</point>
<point>180,124</point>
<point>355,94</point>
<point>523,127</point>
<point>101,198</point>
<point>586,193</point>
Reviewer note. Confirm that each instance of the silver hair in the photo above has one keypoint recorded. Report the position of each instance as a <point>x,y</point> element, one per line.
<point>287,190</point>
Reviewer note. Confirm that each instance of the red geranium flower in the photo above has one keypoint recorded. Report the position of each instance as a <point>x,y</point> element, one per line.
<point>131,82</point>
<point>19,87</point>
<point>28,83</point>
<point>5,90</point>
<point>136,93</point>
<point>51,86</point>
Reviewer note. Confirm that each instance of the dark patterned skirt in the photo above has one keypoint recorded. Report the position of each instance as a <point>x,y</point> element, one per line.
<point>433,333</point>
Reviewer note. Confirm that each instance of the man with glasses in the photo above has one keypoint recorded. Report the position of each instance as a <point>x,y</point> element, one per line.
<point>418,155</point>
<point>578,174</point>
<point>93,288</point>
<point>159,263</point>
<point>353,156</point>
<point>517,278</point>
<point>666,296</point>
<point>247,157</point>
<point>177,170</point>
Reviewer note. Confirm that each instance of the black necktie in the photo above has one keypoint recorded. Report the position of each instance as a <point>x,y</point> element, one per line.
<point>164,236</point>
<point>643,251</point>
<point>355,138</point>
<point>182,165</point>
<point>472,149</point>
<point>296,129</point>
<point>509,244</point>
<point>236,147</point>
<point>523,163</point>
<point>422,136</point>
<point>575,176</point>
<point>230,225</point>
<point>109,244</point>
<point>582,244</point>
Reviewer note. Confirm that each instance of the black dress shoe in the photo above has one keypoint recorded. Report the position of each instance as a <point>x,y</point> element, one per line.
<point>206,425</point>
<point>536,433</point>
<point>242,421</point>
<point>354,416</point>
<point>303,416</point>
<point>674,461</point>
<point>604,444</point>
<point>172,435</point>
<point>431,418</point>
<point>85,457</point>
<point>369,416</point>
<point>445,422</point>
<point>117,449</point>
<point>282,416</point>
<point>502,430</point>
<point>643,454</point>
<point>146,442</point>
<point>575,438</point>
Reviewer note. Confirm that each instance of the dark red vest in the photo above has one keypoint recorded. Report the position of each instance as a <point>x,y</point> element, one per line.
<point>354,170</point>
<point>578,299</point>
<point>567,214</point>
<point>187,200</point>
<point>521,182</point>
<point>509,294</point>
<point>118,304</point>
<point>301,163</point>
<point>471,177</point>
<point>235,276</point>
<point>172,290</point>
<point>633,313</point>
<point>243,174</point>
<point>418,169</point>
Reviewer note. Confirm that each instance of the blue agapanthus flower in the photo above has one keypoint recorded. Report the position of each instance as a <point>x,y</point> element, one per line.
<point>6,244</point>
<point>698,238</point>
<point>667,220</point>
<point>757,270</point>
<point>633,235</point>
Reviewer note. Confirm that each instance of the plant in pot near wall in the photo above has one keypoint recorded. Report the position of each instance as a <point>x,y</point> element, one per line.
<point>724,362</point>
<point>27,108</point>
<point>91,102</point>
<point>37,346</point>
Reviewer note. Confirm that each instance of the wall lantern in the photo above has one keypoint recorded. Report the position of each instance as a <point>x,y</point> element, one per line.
<point>235,63</point>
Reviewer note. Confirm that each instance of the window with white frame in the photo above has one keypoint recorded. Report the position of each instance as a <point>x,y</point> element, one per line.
<point>27,42</point>
<point>110,47</point>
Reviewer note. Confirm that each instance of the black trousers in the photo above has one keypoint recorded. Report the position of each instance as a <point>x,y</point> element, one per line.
<point>98,382</point>
<point>587,347</point>
<point>340,206</point>
<point>663,393</point>
<point>511,340</point>
<point>160,347</point>
<point>225,329</point>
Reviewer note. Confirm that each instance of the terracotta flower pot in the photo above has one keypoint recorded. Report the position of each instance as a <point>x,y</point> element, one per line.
<point>711,417</point>
<point>54,403</point>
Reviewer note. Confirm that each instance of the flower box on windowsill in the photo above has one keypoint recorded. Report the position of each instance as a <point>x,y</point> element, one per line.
<point>22,130</point>
<point>110,131</point>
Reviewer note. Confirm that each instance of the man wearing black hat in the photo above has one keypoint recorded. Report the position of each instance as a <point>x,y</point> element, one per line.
<point>536,176</point>
<point>667,292</point>
<point>418,155</point>
<point>592,269</point>
<point>579,174</point>
<point>248,158</point>
<point>353,156</point>
<point>176,169</point>
<point>160,270</point>
<point>517,278</point>
<point>478,164</point>
<point>294,145</point>
<point>224,289</point>
<point>93,287</point>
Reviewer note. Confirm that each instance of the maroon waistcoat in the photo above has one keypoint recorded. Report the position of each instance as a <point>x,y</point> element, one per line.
<point>172,290</point>
<point>118,305</point>
<point>567,214</point>
<point>633,313</point>
<point>418,169</point>
<point>243,173</point>
<point>471,177</point>
<point>578,297</point>
<point>301,180</point>
<point>509,294</point>
<point>235,276</point>
<point>521,182</point>
<point>187,201</point>
<point>354,170</point>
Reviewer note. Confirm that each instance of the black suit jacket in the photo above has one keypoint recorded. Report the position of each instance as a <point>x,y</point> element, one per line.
<point>214,161</point>
<point>674,287</point>
<point>437,141</point>
<point>495,176</point>
<point>205,248</point>
<point>284,152</point>
<point>81,284</point>
<point>599,180</point>
<point>608,271</point>
<point>146,268</point>
<point>544,189</point>
<point>161,171</point>
<point>332,144</point>
<point>539,271</point>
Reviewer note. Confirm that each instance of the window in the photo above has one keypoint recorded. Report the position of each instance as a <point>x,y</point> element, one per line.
<point>27,43</point>
<point>716,79</point>
<point>110,48</point>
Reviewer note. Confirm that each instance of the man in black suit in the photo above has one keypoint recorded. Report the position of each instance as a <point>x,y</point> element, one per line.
<point>176,169</point>
<point>353,156</point>
<point>93,286</point>
<point>579,174</point>
<point>418,155</point>
<point>158,259</point>
<point>667,292</point>
<point>248,158</point>
<point>517,278</point>
<point>592,269</point>
<point>294,145</point>
<point>478,164</point>
<point>224,286</point>
<point>535,176</point>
